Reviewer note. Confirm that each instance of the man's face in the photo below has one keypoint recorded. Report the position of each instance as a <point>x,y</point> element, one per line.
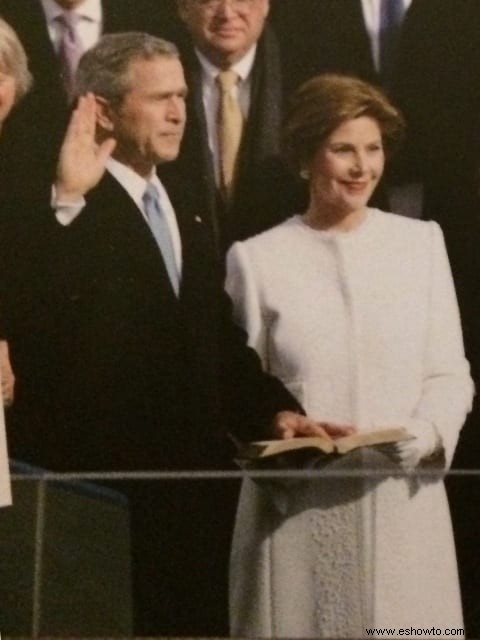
<point>148,125</point>
<point>224,30</point>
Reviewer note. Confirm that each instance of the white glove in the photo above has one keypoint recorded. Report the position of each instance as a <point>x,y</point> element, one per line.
<point>425,442</point>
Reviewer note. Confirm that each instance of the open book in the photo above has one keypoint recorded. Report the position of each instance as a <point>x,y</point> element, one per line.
<point>315,445</point>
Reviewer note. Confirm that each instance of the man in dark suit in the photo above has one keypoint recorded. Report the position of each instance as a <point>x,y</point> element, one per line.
<point>152,369</point>
<point>223,36</point>
<point>326,36</point>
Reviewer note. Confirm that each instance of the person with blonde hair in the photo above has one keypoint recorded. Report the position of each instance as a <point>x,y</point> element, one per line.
<point>354,309</point>
<point>14,68</point>
<point>15,81</point>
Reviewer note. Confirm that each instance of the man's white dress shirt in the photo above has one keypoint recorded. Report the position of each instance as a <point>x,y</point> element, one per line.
<point>89,26</point>
<point>371,17</point>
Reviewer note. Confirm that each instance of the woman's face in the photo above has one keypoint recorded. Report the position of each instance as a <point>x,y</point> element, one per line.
<point>8,90</point>
<point>346,169</point>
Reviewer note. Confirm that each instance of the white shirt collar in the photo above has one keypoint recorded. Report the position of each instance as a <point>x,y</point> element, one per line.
<point>243,67</point>
<point>135,186</point>
<point>90,10</point>
<point>133,183</point>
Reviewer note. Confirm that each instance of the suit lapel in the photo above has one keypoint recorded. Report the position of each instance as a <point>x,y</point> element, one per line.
<point>199,256</point>
<point>261,134</point>
<point>196,137</point>
<point>128,233</point>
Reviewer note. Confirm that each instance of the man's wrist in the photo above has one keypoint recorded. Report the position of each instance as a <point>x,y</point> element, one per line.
<point>66,206</point>
<point>62,197</point>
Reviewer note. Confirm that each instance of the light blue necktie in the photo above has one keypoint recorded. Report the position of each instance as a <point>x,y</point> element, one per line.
<point>159,227</point>
<point>391,18</point>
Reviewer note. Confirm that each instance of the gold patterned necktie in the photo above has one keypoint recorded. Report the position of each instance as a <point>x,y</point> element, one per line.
<point>230,126</point>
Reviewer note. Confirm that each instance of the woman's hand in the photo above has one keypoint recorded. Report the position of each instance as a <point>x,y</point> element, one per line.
<point>6,375</point>
<point>288,424</point>
<point>82,160</point>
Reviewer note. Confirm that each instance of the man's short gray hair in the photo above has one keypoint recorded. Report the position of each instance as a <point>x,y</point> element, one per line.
<point>103,69</point>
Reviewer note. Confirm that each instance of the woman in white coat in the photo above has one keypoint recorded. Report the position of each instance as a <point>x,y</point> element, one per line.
<point>354,309</point>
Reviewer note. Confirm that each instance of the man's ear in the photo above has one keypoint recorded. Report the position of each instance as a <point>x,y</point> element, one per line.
<point>266,8</point>
<point>104,114</point>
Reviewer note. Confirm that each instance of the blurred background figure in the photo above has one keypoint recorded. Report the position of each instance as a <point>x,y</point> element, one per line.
<point>356,37</point>
<point>417,50</point>
<point>230,151</point>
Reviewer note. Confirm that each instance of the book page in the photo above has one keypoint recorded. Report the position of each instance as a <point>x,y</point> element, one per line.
<point>266,448</point>
<point>371,438</point>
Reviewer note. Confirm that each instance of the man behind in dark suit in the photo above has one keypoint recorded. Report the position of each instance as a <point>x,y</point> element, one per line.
<point>150,378</point>
<point>218,36</point>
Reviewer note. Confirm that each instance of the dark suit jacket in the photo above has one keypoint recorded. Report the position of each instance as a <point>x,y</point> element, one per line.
<point>438,91</point>
<point>144,380</point>
<point>265,193</point>
<point>319,36</point>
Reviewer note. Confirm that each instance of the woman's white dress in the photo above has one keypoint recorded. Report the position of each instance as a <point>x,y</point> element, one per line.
<point>363,328</point>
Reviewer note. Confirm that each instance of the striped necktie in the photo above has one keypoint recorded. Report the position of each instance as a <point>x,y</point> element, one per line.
<point>70,50</point>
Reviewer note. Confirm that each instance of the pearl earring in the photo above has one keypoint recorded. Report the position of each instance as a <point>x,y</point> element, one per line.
<point>305,174</point>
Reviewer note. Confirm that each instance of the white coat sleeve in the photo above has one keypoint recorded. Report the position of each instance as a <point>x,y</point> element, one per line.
<point>448,388</point>
<point>241,286</point>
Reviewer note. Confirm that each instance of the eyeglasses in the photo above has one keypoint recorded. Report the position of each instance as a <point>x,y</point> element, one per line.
<point>237,5</point>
